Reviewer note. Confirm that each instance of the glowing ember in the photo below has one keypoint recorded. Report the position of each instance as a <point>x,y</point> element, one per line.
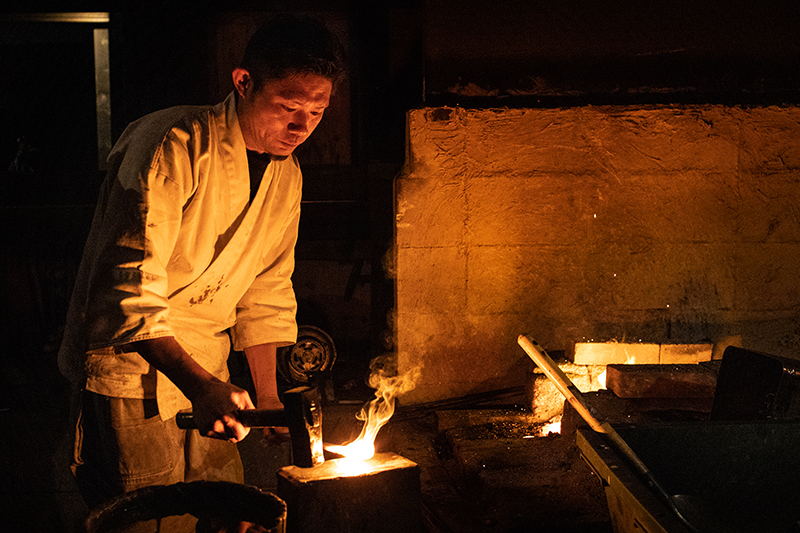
<point>377,412</point>
<point>359,450</point>
<point>554,426</point>
<point>351,466</point>
<point>548,428</point>
<point>602,379</point>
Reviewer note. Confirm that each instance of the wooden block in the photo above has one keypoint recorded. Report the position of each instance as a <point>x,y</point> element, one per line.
<point>380,494</point>
<point>609,353</point>
<point>661,381</point>
<point>682,354</point>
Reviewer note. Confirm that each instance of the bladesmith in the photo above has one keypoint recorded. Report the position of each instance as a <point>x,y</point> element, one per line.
<point>193,237</point>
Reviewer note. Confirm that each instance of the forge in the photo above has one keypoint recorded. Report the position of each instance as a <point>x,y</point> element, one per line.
<point>634,242</point>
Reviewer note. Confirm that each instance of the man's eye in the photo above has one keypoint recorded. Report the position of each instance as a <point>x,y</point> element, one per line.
<point>289,109</point>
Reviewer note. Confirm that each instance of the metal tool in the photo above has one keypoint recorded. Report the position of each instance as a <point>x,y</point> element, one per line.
<point>302,414</point>
<point>679,504</point>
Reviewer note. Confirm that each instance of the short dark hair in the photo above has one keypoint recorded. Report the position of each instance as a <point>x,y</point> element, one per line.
<point>287,44</point>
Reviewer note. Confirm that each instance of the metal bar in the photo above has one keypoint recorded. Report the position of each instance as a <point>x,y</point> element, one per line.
<point>252,418</point>
<point>421,409</point>
<point>90,17</point>
<point>102,88</point>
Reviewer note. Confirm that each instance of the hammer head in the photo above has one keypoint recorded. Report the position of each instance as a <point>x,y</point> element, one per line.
<point>303,410</point>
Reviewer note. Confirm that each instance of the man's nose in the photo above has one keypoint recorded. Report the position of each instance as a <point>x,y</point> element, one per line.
<point>299,123</point>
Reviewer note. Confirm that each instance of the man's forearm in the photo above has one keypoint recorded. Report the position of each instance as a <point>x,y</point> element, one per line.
<point>169,357</point>
<point>262,360</point>
<point>214,402</point>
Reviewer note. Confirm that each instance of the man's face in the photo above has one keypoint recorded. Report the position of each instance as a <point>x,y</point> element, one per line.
<point>283,113</point>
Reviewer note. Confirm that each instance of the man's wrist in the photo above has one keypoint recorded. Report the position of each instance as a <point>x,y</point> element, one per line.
<point>269,402</point>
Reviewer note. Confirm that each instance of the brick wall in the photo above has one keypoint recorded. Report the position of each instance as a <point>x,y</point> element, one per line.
<point>657,224</point>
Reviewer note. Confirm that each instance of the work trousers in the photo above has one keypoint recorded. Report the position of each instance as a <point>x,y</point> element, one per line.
<point>121,444</point>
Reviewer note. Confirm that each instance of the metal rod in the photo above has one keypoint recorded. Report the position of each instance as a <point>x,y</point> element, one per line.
<point>252,418</point>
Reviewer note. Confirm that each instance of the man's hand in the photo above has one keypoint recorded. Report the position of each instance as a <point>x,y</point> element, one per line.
<point>214,402</point>
<point>215,411</point>
<point>273,435</point>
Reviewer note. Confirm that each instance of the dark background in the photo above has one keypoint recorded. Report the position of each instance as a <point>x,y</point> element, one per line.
<point>402,55</point>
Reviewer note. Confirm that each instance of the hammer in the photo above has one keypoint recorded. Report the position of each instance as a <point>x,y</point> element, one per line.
<point>301,413</point>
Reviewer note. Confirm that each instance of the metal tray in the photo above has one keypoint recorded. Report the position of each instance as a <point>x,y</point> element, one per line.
<point>743,476</point>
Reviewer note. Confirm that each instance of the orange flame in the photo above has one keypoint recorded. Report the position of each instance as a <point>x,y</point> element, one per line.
<point>378,411</point>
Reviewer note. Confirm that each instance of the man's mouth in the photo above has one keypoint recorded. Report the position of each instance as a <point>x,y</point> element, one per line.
<point>294,143</point>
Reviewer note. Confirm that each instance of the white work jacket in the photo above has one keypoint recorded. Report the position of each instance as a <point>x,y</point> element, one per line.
<point>177,249</point>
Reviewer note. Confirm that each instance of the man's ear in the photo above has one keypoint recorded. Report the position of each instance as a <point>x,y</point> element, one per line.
<point>241,80</point>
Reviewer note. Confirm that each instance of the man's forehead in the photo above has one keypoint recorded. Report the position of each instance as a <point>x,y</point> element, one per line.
<point>303,87</point>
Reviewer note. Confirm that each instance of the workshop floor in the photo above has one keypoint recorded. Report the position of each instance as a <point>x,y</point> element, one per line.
<point>484,477</point>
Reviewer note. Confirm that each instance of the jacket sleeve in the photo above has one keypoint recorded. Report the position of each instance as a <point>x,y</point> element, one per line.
<point>266,313</point>
<point>131,246</point>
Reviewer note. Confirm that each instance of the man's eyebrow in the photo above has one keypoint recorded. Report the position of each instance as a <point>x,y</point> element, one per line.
<point>293,99</point>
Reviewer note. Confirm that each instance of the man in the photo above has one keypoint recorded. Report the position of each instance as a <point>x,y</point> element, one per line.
<point>193,237</point>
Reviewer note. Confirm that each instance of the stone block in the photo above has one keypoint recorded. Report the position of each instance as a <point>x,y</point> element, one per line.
<point>539,212</point>
<point>611,353</point>
<point>540,140</point>
<point>637,276</point>
<point>436,141</point>
<point>763,139</point>
<point>429,212</point>
<point>380,494</point>
<point>545,401</point>
<point>519,279</point>
<point>431,280</point>
<point>768,275</point>
<point>769,219</point>
<point>459,354</point>
<point>683,354</point>
<point>671,139</point>
<point>661,381</point>
<point>703,215</point>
